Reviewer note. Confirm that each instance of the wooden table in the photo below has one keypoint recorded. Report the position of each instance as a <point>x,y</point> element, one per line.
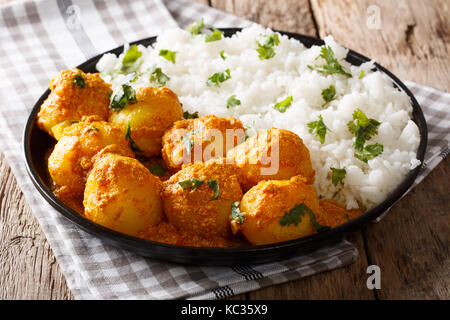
<point>411,245</point>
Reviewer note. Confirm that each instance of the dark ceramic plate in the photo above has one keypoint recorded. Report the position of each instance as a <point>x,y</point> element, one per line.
<point>37,143</point>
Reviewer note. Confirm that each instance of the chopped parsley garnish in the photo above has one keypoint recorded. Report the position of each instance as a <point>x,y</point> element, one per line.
<point>222,55</point>
<point>328,94</point>
<point>188,115</point>
<point>168,55</point>
<point>319,127</point>
<point>369,152</point>
<point>196,27</point>
<point>159,77</point>
<point>157,169</point>
<point>233,102</point>
<point>364,129</point>
<point>214,186</point>
<point>236,214</point>
<point>217,78</point>
<point>214,36</point>
<point>130,58</point>
<point>361,74</point>
<point>188,142</point>
<point>192,184</point>
<point>338,175</point>
<point>79,81</point>
<point>118,102</point>
<point>266,50</point>
<point>283,105</point>
<point>332,65</point>
<point>294,216</point>
<point>131,142</point>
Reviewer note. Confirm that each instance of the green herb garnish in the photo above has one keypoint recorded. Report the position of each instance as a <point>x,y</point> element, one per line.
<point>338,175</point>
<point>316,225</point>
<point>319,127</point>
<point>283,105</point>
<point>332,65</point>
<point>214,186</point>
<point>328,94</point>
<point>130,58</point>
<point>233,102</point>
<point>236,214</point>
<point>79,81</point>
<point>188,115</point>
<point>192,184</point>
<point>361,74</point>
<point>369,152</point>
<point>159,77</point>
<point>188,142</point>
<point>214,36</point>
<point>222,55</point>
<point>294,216</point>
<point>157,169</point>
<point>362,127</point>
<point>131,142</point>
<point>266,50</point>
<point>128,96</point>
<point>168,55</point>
<point>196,27</point>
<point>218,77</point>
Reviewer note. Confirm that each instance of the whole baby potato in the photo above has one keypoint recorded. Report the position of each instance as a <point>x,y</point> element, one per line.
<point>198,198</point>
<point>273,154</point>
<point>71,159</point>
<point>278,210</point>
<point>74,94</point>
<point>122,194</point>
<point>146,120</point>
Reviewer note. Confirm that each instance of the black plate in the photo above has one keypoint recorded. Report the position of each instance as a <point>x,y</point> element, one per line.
<point>36,143</point>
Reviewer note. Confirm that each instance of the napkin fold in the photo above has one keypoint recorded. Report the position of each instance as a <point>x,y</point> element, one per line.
<point>40,38</point>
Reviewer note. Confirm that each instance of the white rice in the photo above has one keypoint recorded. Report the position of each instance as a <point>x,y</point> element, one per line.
<point>259,84</point>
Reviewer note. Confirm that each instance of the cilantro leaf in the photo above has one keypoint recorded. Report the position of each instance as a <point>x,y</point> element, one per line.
<point>159,77</point>
<point>222,55</point>
<point>196,27</point>
<point>130,58</point>
<point>319,127</point>
<point>332,65</point>
<point>168,55</point>
<point>188,115</point>
<point>236,214</point>
<point>363,128</point>
<point>328,94</point>
<point>157,169</point>
<point>118,102</point>
<point>214,36</point>
<point>218,77</point>
<point>369,152</point>
<point>266,50</point>
<point>233,102</point>
<point>214,186</point>
<point>131,142</point>
<point>192,184</point>
<point>294,216</point>
<point>361,74</point>
<point>188,142</point>
<point>338,175</point>
<point>283,105</point>
<point>79,81</point>
<point>316,225</point>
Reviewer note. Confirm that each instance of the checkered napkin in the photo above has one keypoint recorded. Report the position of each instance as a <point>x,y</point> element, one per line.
<point>37,40</point>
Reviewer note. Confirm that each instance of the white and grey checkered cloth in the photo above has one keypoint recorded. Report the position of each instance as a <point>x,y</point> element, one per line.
<point>40,38</point>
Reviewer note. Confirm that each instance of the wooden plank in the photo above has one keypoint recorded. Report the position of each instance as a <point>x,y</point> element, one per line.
<point>284,15</point>
<point>413,39</point>
<point>28,269</point>
<point>411,245</point>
